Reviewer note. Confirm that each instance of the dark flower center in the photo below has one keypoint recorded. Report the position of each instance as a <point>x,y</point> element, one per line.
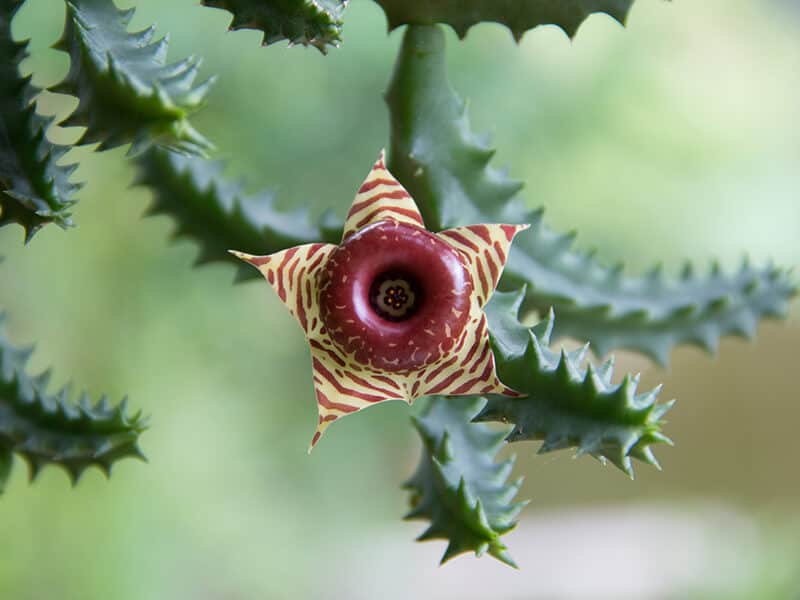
<point>395,296</point>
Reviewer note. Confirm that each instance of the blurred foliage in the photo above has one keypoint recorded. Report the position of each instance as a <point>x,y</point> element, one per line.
<point>217,215</point>
<point>34,188</point>
<point>315,23</point>
<point>126,90</point>
<point>54,429</point>
<point>685,137</point>
<point>457,487</point>
<point>518,15</point>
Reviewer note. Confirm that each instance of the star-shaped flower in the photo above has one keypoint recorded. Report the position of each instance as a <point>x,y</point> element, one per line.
<point>394,312</point>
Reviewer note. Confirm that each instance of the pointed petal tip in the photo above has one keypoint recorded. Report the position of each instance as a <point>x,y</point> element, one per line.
<point>507,391</point>
<point>380,162</point>
<point>314,440</point>
<point>370,205</point>
<point>254,260</point>
<point>240,255</point>
<point>321,427</point>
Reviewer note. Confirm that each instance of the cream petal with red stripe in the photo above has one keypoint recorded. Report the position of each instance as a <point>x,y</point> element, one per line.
<point>379,198</point>
<point>462,361</point>
<point>485,248</point>
<point>293,275</point>
<point>469,370</point>
<point>342,386</point>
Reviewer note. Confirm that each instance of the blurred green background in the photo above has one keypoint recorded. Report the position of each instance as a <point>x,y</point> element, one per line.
<point>678,137</point>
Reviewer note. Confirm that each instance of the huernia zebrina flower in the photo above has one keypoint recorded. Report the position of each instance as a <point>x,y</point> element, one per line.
<point>395,311</point>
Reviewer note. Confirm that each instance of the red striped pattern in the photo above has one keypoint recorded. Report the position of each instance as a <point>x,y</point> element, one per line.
<point>485,249</point>
<point>380,198</point>
<point>343,385</point>
<point>470,371</point>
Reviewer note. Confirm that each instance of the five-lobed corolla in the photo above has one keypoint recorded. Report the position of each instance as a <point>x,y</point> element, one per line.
<point>394,311</point>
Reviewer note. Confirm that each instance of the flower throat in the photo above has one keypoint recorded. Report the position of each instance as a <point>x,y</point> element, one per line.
<point>395,296</point>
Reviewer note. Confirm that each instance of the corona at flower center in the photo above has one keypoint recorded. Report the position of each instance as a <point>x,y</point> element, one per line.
<point>395,296</point>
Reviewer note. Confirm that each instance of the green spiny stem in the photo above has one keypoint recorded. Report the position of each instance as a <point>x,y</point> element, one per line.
<point>34,189</point>
<point>315,23</point>
<point>217,214</point>
<point>49,429</point>
<point>126,92</point>
<point>445,167</point>
<point>568,404</point>
<point>652,314</point>
<point>518,15</point>
<point>457,486</point>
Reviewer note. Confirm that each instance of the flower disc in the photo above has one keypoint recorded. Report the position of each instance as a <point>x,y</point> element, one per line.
<point>395,296</point>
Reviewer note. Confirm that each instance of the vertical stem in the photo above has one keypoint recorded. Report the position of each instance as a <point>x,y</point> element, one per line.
<point>433,153</point>
<point>420,61</point>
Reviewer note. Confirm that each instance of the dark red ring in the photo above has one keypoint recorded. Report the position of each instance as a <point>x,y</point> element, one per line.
<point>353,323</point>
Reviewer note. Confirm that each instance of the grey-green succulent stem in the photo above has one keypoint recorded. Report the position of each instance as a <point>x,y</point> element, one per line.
<point>46,428</point>
<point>445,167</point>
<point>316,23</point>
<point>217,214</point>
<point>518,15</point>
<point>34,189</point>
<point>127,93</point>
<point>458,487</point>
<point>569,402</point>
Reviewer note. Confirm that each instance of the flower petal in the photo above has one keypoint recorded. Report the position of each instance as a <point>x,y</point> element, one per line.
<point>292,274</point>
<point>486,249</point>
<point>379,198</point>
<point>343,387</point>
<point>470,369</point>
